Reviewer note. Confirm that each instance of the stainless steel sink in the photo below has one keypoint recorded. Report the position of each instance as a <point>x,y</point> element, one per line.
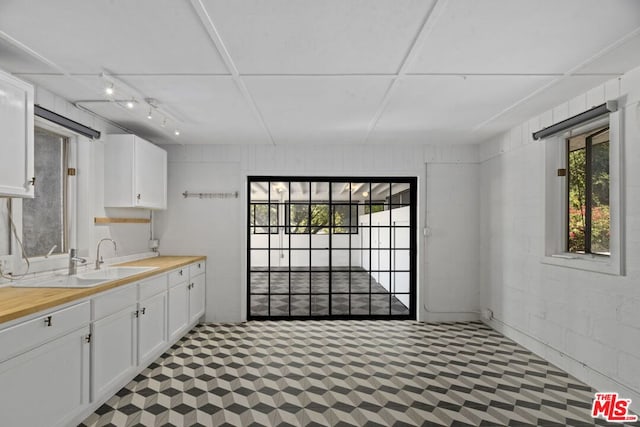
<point>88,279</point>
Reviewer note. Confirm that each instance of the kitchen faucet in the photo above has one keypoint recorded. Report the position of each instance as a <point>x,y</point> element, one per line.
<point>99,260</point>
<point>74,259</point>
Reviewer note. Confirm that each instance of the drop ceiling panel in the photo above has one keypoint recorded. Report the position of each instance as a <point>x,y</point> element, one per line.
<point>619,60</point>
<point>15,60</point>
<point>142,36</point>
<point>524,37</point>
<point>212,106</point>
<point>436,109</point>
<point>327,110</point>
<point>560,92</point>
<point>318,37</point>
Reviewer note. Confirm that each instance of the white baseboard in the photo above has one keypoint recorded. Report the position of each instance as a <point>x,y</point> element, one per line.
<point>581,371</point>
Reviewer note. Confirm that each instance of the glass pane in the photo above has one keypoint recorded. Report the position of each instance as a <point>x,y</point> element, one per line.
<point>400,304</point>
<point>380,304</point>
<point>320,191</point>
<point>340,304</point>
<point>259,282</point>
<point>279,282</point>
<point>259,259</point>
<point>340,281</point>
<point>319,305</point>
<point>319,282</point>
<point>259,305</point>
<point>259,191</point>
<point>300,305</point>
<point>299,192</point>
<point>43,217</point>
<point>298,218</point>
<point>577,194</point>
<point>359,304</point>
<point>600,223</point>
<point>279,191</point>
<point>279,305</point>
<point>360,281</point>
<point>4,227</point>
<point>382,283</point>
<point>300,282</point>
<point>320,218</point>
<point>400,194</point>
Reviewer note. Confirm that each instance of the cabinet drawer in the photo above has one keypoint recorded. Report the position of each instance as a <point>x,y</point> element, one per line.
<point>153,286</point>
<point>197,268</point>
<point>104,305</point>
<point>178,276</point>
<point>20,338</point>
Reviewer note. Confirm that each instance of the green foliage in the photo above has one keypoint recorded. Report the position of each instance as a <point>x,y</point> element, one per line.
<point>600,218</point>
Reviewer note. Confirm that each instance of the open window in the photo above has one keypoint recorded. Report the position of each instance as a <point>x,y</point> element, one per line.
<point>583,194</point>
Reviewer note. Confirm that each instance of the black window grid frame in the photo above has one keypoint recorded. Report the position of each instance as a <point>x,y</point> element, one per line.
<point>412,181</point>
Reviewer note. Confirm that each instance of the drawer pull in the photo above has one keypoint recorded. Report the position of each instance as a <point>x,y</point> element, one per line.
<point>199,266</point>
<point>180,272</point>
<point>136,313</point>
<point>143,310</point>
<point>87,338</point>
<point>47,321</point>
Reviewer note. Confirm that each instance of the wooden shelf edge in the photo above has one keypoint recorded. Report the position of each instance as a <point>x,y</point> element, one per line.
<point>103,220</point>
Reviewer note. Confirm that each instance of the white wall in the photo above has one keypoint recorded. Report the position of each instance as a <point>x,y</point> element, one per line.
<point>217,228</point>
<point>587,323</point>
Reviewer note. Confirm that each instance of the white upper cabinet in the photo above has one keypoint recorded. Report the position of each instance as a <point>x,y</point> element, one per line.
<point>135,173</point>
<point>16,137</point>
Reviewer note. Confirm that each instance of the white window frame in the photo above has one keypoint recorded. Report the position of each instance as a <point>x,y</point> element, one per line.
<point>58,261</point>
<point>556,201</point>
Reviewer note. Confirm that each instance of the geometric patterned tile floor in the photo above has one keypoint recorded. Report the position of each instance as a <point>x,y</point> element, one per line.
<point>373,373</point>
<point>353,291</point>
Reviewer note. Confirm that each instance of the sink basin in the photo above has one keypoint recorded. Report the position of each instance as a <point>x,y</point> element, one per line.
<point>83,280</point>
<point>58,282</point>
<point>113,273</point>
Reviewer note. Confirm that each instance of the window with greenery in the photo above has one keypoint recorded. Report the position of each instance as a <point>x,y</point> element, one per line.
<point>319,218</point>
<point>264,220</point>
<point>589,226</point>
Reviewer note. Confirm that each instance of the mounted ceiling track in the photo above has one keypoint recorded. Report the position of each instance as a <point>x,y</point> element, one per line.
<point>571,122</point>
<point>65,122</point>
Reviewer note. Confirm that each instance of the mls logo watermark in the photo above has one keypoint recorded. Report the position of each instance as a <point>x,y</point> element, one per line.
<point>612,408</point>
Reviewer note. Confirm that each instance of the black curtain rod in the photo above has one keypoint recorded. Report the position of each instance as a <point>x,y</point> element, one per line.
<point>600,110</point>
<point>65,122</point>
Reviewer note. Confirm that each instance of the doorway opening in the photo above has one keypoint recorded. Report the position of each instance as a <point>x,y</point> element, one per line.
<point>331,248</point>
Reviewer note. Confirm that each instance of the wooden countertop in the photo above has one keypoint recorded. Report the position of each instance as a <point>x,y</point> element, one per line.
<point>18,302</point>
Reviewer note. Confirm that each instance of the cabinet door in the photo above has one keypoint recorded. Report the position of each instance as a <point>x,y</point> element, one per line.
<point>178,309</point>
<point>196,298</point>
<point>113,351</point>
<point>150,175</point>
<point>47,386</point>
<point>152,326</point>
<point>16,127</point>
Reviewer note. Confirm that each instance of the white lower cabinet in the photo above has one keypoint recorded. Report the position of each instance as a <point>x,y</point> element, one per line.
<point>113,351</point>
<point>59,366</point>
<point>47,385</point>
<point>152,327</point>
<point>196,298</point>
<point>178,309</point>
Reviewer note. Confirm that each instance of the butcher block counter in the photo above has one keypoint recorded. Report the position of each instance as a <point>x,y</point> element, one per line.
<point>19,302</point>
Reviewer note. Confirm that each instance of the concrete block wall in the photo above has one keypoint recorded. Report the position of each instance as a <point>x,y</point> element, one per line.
<point>585,322</point>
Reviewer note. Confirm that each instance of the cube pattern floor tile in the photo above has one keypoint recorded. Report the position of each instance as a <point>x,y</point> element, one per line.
<point>348,373</point>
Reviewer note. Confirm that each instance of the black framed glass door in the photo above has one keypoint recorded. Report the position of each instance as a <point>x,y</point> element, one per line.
<point>331,247</point>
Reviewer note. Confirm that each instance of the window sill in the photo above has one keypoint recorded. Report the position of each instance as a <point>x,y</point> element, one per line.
<point>597,264</point>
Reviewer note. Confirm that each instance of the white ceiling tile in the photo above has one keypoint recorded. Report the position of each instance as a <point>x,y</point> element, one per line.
<point>324,110</point>
<point>142,36</point>
<point>434,109</point>
<point>617,61</point>
<point>551,97</point>
<point>15,60</point>
<point>211,106</point>
<point>318,37</point>
<point>519,36</point>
